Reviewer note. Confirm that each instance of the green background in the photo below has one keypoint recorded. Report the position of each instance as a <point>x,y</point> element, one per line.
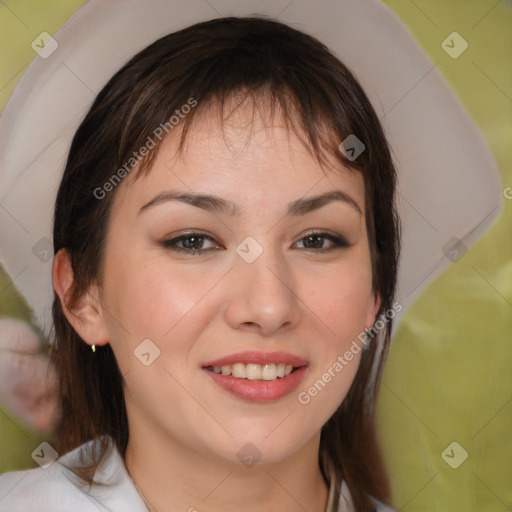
<point>448,376</point>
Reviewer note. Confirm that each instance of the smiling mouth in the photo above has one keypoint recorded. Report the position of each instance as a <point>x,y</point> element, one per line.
<point>253,371</point>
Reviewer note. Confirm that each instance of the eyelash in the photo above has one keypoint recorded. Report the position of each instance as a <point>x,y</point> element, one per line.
<point>338,241</point>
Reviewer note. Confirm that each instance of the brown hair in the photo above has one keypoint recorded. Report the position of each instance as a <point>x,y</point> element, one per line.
<point>265,61</point>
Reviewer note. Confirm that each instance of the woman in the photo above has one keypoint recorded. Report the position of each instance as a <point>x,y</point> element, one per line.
<point>225,237</point>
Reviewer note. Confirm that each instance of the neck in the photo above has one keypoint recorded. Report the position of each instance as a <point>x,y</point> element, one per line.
<point>173,477</point>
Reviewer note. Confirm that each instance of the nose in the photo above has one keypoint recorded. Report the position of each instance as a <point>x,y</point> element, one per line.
<point>262,295</point>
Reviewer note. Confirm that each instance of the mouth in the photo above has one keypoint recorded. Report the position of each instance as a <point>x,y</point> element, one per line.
<point>257,376</point>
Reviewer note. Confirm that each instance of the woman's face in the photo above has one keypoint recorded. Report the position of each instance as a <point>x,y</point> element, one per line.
<point>259,291</point>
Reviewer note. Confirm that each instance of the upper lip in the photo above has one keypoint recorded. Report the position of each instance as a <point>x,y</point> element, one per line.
<point>258,357</point>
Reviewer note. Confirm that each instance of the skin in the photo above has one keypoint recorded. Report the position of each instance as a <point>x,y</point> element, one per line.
<point>185,431</point>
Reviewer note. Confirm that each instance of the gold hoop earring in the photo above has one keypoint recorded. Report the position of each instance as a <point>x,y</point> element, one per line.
<point>94,348</point>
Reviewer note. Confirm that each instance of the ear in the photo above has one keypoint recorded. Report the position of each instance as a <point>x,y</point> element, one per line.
<point>86,315</point>
<point>374,303</point>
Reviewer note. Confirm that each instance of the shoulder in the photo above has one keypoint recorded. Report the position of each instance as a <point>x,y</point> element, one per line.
<point>346,504</point>
<point>55,488</point>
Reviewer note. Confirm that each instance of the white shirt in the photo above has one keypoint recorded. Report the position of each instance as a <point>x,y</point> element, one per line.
<point>56,489</point>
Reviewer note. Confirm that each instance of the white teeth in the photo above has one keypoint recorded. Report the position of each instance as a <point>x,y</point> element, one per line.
<point>269,372</point>
<point>252,371</point>
<point>238,371</point>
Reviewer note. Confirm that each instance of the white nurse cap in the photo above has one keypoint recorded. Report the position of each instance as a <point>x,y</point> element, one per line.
<point>448,185</point>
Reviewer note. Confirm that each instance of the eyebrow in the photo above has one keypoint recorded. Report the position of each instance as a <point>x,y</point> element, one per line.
<point>215,204</point>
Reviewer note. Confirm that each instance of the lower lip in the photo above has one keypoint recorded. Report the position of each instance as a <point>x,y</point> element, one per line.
<point>259,390</point>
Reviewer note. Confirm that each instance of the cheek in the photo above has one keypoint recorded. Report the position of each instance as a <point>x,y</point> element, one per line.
<point>342,299</point>
<point>341,304</point>
<point>149,297</point>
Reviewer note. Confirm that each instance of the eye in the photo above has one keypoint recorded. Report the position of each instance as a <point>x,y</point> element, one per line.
<point>191,243</point>
<point>195,242</point>
<point>315,241</point>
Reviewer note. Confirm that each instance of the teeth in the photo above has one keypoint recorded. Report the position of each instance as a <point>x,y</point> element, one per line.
<point>238,371</point>
<point>269,372</point>
<point>252,371</point>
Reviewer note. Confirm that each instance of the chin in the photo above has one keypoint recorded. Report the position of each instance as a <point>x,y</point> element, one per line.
<point>257,446</point>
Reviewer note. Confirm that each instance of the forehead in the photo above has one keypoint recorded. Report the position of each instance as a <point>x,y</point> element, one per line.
<point>252,154</point>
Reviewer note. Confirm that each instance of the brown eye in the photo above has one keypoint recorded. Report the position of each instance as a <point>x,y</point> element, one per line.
<point>323,242</point>
<point>191,243</point>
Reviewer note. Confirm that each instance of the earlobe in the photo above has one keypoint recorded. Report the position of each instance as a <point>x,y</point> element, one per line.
<point>85,314</point>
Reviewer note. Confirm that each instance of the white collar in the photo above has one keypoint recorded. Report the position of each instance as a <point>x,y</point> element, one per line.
<point>57,489</point>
